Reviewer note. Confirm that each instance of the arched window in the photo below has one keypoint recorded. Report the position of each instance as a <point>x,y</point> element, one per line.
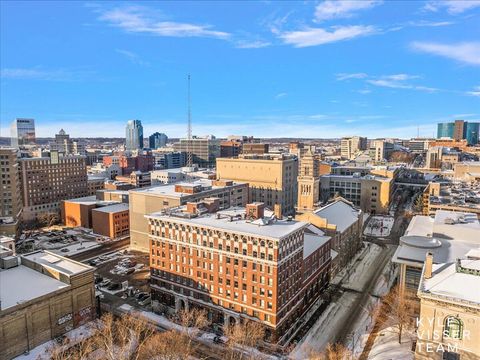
<point>453,327</point>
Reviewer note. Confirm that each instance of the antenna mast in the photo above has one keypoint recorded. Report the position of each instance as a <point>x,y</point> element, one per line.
<point>189,129</point>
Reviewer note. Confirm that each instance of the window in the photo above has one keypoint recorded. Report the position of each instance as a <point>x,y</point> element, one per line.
<point>453,327</point>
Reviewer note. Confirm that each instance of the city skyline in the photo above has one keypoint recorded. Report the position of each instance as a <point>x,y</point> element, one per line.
<point>272,69</point>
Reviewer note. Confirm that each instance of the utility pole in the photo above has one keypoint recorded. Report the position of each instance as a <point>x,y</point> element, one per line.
<point>189,129</point>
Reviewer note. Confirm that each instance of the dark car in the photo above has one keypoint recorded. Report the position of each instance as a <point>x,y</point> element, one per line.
<point>98,279</point>
<point>143,297</point>
<point>138,295</point>
<point>130,271</point>
<point>114,286</point>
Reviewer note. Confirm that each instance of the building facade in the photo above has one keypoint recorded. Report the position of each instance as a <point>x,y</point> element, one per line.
<point>459,130</point>
<point>449,321</point>
<point>10,192</point>
<point>42,296</point>
<point>157,140</point>
<point>66,146</point>
<point>22,132</point>
<point>272,178</point>
<point>205,150</point>
<point>349,146</point>
<point>134,135</point>
<point>238,265</point>
<point>111,221</point>
<point>148,200</point>
<point>47,181</point>
<point>308,182</point>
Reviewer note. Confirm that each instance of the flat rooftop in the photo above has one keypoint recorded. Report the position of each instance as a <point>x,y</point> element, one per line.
<point>448,236</point>
<point>57,263</point>
<point>112,208</point>
<point>452,282</point>
<point>232,220</point>
<point>169,189</point>
<point>312,242</point>
<point>21,284</point>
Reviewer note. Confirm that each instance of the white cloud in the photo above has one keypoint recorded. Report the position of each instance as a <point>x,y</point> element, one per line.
<point>256,44</point>
<point>280,95</point>
<point>347,76</point>
<point>425,23</point>
<point>134,58</point>
<point>474,92</point>
<point>465,52</point>
<point>364,91</point>
<point>318,36</point>
<point>400,77</point>
<point>334,9</point>
<point>138,19</point>
<point>453,7</point>
<point>37,73</point>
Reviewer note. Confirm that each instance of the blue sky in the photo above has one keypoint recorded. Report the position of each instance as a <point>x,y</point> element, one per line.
<point>268,69</point>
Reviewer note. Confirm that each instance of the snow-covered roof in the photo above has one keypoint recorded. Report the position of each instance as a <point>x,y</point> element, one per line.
<point>21,284</point>
<point>169,189</point>
<point>58,263</point>
<point>112,208</point>
<point>275,228</point>
<point>448,236</point>
<point>312,242</point>
<point>454,281</point>
<point>339,213</point>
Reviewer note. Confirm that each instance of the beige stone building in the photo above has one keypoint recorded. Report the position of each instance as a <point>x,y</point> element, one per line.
<point>308,182</point>
<point>42,296</point>
<point>449,321</point>
<point>369,192</point>
<point>48,180</point>
<point>467,171</point>
<point>149,200</point>
<point>10,194</point>
<point>350,146</point>
<point>272,179</point>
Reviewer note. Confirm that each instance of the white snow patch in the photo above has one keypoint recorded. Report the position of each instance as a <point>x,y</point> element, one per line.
<point>379,226</point>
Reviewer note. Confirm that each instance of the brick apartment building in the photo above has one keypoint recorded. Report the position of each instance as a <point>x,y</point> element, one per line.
<point>46,181</point>
<point>238,264</point>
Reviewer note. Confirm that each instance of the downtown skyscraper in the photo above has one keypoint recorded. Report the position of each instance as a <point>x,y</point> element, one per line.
<point>134,135</point>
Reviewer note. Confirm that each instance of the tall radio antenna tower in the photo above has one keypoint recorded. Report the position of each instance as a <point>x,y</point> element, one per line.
<point>189,129</point>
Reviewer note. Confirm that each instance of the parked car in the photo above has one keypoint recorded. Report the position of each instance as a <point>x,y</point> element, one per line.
<point>143,297</point>
<point>98,279</point>
<point>146,301</point>
<point>130,271</point>
<point>141,293</point>
<point>114,286</point>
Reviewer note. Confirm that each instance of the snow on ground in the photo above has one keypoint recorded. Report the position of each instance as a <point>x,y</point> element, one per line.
<point>379,226</point>
<point>356,279</point>
<point>326,327</point>
<point>332,319</point>
<point>386,345</point>
<point>41,351</point>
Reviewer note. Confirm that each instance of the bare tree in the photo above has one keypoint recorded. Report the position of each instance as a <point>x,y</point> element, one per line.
<point>243,336</point>
<point>48,219</point>
<point>398,308</point>
<point>132,337</point>
<point>335,351</point>
<point>192,321</point>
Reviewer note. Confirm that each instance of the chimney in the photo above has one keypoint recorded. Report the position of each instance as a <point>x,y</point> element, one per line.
<point>277,210</point>
<point>192,207</point>
<point>427,274</point>
<point>255,210</point>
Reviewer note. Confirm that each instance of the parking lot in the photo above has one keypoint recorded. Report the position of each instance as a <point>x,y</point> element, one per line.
<point>122,275</point>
